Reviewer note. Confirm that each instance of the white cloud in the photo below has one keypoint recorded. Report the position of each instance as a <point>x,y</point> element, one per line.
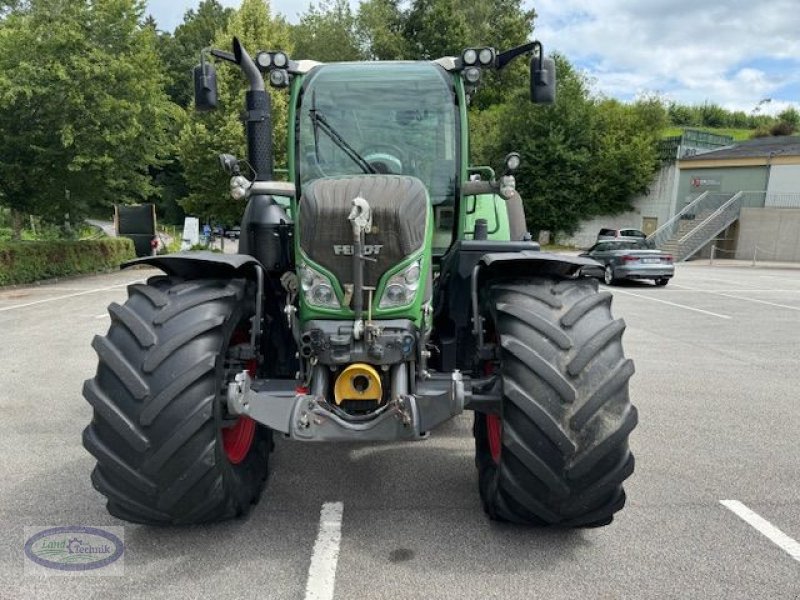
<point>733,52</point>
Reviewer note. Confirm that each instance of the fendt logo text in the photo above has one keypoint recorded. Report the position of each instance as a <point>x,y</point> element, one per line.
<point>347,249</point>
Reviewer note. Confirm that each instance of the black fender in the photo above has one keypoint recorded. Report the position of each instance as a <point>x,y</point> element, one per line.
<point>496,265</point>
<point>202,265</point>
<point>470,266</point>
<point>269,297</point>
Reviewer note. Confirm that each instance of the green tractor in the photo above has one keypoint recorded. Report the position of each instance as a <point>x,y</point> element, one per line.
<point>383,289</point>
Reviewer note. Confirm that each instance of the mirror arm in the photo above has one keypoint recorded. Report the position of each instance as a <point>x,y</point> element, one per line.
<point>506,57</point>
<point>222,55</point>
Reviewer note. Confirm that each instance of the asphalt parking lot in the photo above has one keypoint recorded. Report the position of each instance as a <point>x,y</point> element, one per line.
<point>718,390</point>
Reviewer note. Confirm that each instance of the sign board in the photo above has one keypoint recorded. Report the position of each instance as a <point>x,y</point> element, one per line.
<point>191,233</point>
<point>138,219</point>
<point>137,222</point>
<point>707,183</point>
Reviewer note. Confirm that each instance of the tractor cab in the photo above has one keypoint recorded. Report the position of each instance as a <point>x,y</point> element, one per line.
<point>396,118</point>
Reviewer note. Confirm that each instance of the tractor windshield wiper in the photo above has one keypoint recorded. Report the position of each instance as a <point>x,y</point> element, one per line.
<point>320,123</point>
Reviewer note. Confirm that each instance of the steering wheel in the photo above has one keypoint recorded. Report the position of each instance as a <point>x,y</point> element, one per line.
<point>386,158</point>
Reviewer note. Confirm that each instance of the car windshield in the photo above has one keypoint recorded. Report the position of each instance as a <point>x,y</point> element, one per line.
<point>388,118</point>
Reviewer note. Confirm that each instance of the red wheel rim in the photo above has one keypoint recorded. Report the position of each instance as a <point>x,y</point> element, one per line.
<point>238,438</point>
<point>494,433</point>
<point>494,425</point>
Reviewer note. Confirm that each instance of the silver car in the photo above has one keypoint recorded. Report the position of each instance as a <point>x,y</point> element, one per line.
<point>632,259</point>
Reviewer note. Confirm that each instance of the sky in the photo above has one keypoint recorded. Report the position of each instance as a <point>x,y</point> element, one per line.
<point>736,53</point>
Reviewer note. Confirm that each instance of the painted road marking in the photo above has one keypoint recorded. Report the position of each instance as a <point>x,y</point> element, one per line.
<point>322,570</point>
<point>65,296</point>
<point>738,291</point>
<point>684,288</point>
<point>735,297</point>
<point>675,304</point>
<point>764,527</point>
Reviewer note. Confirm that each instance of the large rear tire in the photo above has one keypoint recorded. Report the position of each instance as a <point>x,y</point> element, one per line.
<point>167,452</point>
<point>558,452</point>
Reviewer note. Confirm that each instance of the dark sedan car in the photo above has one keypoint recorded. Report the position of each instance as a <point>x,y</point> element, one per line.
<point>632,259</point>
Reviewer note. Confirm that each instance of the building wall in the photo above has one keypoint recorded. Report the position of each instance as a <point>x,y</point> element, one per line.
<point>784,178</point>
<point>658,203</point>
<point>775,231</point>
<point>694,181</point>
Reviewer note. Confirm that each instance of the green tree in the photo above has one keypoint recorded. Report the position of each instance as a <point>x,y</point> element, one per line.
<point>180,51</point>
<point>445,27</point>
<point>206,135</point>
<point>380,27</point>
<point>83,113</point>
<point>582,156</point>
<point>436,28</point>
<point>327,32</point>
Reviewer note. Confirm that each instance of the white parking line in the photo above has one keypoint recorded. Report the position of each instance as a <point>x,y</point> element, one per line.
<point>322,570</point>
<point>675,304</point>
<point>764,527</point>
<point>737,291</point>
<point>735,297</point>
<point>65,296</point>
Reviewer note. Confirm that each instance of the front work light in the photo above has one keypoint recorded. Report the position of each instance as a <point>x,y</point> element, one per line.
<point>470,57</point>
<point>279,78</point>
<point>472,75</point>
<point>486,57</point>
<point>264,60</point>
<point>280,60</point>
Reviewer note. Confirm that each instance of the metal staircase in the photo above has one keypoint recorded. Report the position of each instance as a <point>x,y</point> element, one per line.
<point>697,224</point>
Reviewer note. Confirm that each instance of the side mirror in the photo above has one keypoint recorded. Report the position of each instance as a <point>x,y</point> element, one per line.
<point>543,80</point>
<point>205,87</point>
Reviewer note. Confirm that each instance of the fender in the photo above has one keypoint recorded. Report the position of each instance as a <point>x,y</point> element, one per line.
<point>494,265</point>
<point>202,265</point>
<point>468,267</point>
<point>212,265</point>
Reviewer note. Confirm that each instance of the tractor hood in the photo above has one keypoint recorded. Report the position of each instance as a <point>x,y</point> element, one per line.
<point>399,206</point>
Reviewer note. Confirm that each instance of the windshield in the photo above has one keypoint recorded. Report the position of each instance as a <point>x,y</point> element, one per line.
<point>397,118</point>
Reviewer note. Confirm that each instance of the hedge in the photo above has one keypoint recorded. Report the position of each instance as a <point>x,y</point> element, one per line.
<point>24,262</point>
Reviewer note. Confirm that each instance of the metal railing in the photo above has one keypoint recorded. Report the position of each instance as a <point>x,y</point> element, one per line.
<point>670,228</point>
<point>708,229</point>
<point>782,200</point>
<point>702,206</point>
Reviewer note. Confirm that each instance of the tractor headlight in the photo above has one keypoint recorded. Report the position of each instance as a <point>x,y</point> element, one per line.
<point>470,56</point>
<point>317,288</point>
<point>401,287</point>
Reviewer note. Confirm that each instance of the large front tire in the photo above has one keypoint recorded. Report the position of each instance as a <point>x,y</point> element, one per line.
<point>558,452</point>
<point>166,451</point>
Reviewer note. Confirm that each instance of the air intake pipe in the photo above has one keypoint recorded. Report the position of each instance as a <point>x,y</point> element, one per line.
<point>258,116</point>
<point>266,228</point>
